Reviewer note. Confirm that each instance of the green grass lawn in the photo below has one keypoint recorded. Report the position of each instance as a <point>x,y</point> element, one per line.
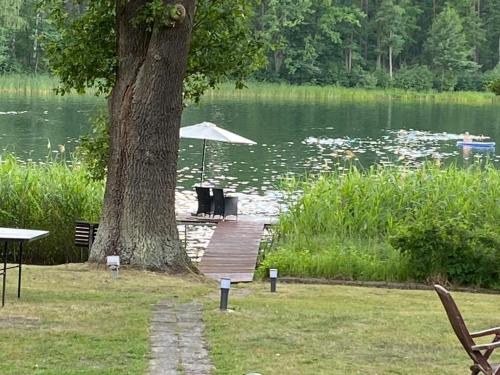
<point>76,320</point>
<point>306,329</point>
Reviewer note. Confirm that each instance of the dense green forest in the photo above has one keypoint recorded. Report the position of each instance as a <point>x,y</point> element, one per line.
<point>409,44</point>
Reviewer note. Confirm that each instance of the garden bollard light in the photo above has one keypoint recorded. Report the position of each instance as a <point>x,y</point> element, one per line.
<point>273,275</point>
<point>113,262</point>
<point>225,285</point>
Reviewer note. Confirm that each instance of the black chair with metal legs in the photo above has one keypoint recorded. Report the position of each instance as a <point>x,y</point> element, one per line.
<point>218,202</point>
<point>231,206</point>
<point>224,206</point>
<point>204,200</point>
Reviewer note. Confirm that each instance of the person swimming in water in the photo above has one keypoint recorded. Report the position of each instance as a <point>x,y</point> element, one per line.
<point>471,138</point>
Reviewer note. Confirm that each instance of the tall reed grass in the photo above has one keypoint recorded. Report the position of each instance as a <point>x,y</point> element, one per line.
<point>28,84</point>
<point>286,92</point>
<point>341,224</point>
<point>50,197</point>
<point>44,84</point>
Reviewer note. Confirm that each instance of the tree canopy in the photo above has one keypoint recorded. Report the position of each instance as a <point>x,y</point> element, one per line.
<point>341,42</point>
<point>82,51</point>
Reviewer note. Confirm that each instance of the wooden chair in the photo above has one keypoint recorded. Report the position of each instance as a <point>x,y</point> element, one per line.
<point>85,233</point>
<point>479,354</point>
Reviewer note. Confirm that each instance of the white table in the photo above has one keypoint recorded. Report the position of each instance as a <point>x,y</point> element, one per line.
<point>21,236</point>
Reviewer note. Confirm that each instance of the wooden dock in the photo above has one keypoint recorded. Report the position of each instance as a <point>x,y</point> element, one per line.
<point>232,250</point>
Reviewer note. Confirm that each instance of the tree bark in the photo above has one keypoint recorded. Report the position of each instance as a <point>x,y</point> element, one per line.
<point>379,54</point>
<point>349,54</point>
<point>138,220</point>
<point>278,61</point>
<point>390,62</point>
<point>35,42</point>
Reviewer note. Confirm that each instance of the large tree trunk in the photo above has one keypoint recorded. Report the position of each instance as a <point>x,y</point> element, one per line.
<point>138,221</point>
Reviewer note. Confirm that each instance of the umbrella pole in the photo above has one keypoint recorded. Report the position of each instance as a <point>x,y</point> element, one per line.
<point>203,161</point>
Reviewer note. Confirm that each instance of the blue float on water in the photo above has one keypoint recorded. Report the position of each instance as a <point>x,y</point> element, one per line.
<point>476,144</point>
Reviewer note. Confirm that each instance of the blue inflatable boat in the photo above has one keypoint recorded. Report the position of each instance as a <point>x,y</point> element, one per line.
<point>476,144</point>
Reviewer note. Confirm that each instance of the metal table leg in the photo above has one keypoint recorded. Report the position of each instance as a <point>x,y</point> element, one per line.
<point>4,272</point>
<point>20,266</point>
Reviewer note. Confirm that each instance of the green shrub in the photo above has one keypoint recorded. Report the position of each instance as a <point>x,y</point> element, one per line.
<point>451,250</point>
<point>495,87</point>
<point>470,81</point>
<point>49,197</point>
<point>445,81</point>
<point>383,79</point>
<point>341,225</point>
<point>418,78</point>
<point>491,76</point>
<point>362,78</point>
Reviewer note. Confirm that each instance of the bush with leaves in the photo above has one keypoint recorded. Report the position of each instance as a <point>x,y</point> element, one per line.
<point>362,78</point>
<point>470,81</point>
<point>418,78</point>
<point>495,87</point>
<point>383,79</point>
<point>451,250</point>
<point>491,76</point>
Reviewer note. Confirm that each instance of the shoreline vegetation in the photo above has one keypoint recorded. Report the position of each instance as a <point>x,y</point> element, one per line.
<point>392,225</point>
<point>43,85</point>
<point>382,224</point>
<point>49,195</point>
<point>279,91</point>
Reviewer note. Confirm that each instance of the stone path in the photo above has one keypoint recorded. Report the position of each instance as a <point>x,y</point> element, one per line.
<point>177,345</point>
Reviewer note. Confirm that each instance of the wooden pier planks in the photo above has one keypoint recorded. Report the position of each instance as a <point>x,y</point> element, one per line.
<point>232,251</point>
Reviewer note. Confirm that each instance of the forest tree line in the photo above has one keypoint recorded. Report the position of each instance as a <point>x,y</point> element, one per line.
<point>409,44</point>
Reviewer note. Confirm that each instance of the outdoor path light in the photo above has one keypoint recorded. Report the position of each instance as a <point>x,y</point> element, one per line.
<point>273,275</point>
<point>225,285</point>
<point>113,262</point>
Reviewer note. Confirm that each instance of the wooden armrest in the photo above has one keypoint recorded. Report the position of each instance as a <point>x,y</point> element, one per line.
<point>492,345</point>
<point>486,332</point>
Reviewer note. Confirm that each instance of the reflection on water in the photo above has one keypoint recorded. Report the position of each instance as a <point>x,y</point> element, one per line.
<point>292,137</point>
<point>296,138</point>
<point>28,124</point>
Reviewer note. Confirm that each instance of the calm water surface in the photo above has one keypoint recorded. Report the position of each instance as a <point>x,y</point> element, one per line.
<point>293,137</point>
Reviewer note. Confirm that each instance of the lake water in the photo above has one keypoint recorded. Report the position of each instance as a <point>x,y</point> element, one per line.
<point>293,137</point>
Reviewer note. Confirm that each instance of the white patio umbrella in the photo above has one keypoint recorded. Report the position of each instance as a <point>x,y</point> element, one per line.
<point>211,132</point>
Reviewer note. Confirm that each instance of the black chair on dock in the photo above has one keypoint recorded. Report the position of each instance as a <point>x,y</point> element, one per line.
<point>224,206</point>
<point>204,200</point>
<point>218,202</point>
